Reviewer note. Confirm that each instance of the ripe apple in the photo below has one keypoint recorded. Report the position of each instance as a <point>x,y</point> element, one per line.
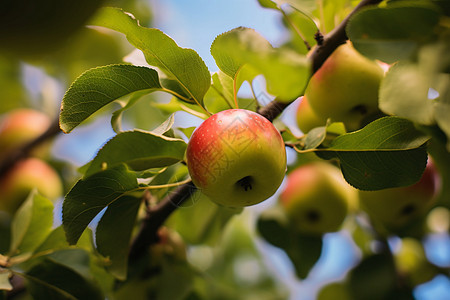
<point>345,88</point>
<point>316,198</point>
<point>21,126</point>
<point>307,119</point>
<point>26,175</point>
<point>395,208</point>
<point>237,158</point>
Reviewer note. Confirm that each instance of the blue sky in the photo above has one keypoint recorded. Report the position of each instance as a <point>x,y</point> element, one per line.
<point>195,23</point>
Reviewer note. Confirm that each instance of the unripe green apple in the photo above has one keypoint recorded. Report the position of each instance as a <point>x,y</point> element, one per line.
<point>26,175</point>
<point>21,126</point>
<point>316,198</point>
<point>412,263</point>
<point>345,88</point>
<point>237,158</point>
<point>307,119</point>
<point>395,208</point>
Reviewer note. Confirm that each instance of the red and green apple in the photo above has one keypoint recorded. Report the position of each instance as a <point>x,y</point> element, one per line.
<point>21,126</point>
<point>345,88</point>
<point>27,174</point>
<point>237,158</point>
<point>317,199</point>
<point>395,208</point>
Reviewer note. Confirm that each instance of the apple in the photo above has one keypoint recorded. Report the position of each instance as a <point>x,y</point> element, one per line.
<point>395,208</point>
<point>26,175</point>
<point>345,88</point>
<point>237,158</point>
<point>316,198</point>
<point>20,126</point>
<point>307,119</point>
<point>412,263</point>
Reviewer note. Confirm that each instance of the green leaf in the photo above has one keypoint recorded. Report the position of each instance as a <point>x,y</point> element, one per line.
<point>140,150</point>
<point>52,280</point>
<point>98,87</point>
<point>5,285</point>
<point>31,224</point>
<point>113,237</point>
<point>116,119</point>
<point>273,226</point>
<point>404,92</point>
<point>165,126</point>
<point>303,250</point>
<point>303,28</point>
<point>373,278</point>
<point>394,32</point>
<point>184,66</point>
<point>92,194</point>
<point>221,94</point>
<point>199,220</point>
<point>315,137</point>
<point>56,240</point>
<point>286,72</point>
<point>76,259</point>
<point>174,106</point>
<point>334,290</point>
<point>386,153</point>
<point>304,5</point>
<point>420,91</point>
<point>268,4</point>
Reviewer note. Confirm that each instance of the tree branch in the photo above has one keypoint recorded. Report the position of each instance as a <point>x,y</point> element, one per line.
<point>157,215</point>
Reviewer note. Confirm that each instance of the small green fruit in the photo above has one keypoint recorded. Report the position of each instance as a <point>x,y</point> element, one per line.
<point>345,88</point>
<point>237,158</point>
<point>317,199</point>
<point>412,262</point>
